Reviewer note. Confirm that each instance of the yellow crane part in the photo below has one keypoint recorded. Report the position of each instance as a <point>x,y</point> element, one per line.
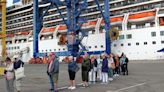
<point>3,11</point>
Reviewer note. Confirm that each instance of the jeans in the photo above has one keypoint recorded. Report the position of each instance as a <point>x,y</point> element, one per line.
<point>51,82</point>
<point>10,85</point>
<point>110,73</point>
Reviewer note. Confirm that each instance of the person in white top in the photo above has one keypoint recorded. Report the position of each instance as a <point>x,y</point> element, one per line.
<point>111,67</point>
<point>9,75</point>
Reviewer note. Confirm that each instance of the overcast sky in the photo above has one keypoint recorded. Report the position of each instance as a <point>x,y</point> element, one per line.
<point>9,2</point>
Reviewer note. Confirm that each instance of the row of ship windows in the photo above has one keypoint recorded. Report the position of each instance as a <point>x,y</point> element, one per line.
<point>17,47</point>
<point>129,36</point>
<point>13,48</point>
<point>65,49</point>
<point>126,2</point>
<point>137,43</point>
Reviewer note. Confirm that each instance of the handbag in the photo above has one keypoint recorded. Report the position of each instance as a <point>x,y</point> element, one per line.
<point>77,68</point>
<point>19,73</point>
<point>9,75</point>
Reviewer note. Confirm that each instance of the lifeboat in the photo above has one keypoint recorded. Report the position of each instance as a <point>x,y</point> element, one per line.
<point>161,21</point>
<point>144,16</point>
<point>90,24</point>
<point>49,30</point>
<point>62,29</point>
<point>114,20</point>
<point>22,33</point>
<point>7,35</point>
<point>10,35</point>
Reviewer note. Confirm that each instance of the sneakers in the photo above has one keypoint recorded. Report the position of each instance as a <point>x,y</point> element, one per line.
<point>72,87</point>
<point>110,79</point>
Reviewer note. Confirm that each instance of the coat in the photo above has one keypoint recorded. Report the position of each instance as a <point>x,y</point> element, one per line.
<point>105,65</point>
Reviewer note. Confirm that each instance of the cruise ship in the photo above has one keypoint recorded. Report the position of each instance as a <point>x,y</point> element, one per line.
<point>140,24</point>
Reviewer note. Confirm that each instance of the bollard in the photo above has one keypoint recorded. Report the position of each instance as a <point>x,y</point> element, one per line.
<point>2,69</point>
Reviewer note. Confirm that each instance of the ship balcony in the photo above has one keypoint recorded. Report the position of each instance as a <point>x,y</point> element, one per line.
<point>140,25</point>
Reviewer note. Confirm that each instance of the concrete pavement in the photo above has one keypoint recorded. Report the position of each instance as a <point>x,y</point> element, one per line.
<point>143,77</point>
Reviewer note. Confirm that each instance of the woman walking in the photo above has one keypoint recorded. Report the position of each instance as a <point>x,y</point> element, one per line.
<point>9,75</point>
<point>18,64</point>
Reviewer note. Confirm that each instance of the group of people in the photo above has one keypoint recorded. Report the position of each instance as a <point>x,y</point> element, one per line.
<point>93,69</point>
<point>10,76</point>
<point>103,68</point>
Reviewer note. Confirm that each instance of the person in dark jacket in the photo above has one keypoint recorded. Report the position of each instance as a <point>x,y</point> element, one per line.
<point>85,67</point>
<point>126,65</point>
<point>53,71</point>
<point>104,68</point>
<point>17,64</point>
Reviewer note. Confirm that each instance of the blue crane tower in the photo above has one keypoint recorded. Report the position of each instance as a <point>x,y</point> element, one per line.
<point>73,22</point>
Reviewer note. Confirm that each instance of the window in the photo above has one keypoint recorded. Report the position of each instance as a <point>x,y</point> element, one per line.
<point>121,37</point>
<point>162,42</point>
<point>50,50</point>
<point>95,46</point>
<point>102,46</point>
<point>153,42</point>
<point>153,34</point>
<point>145,43</point>
<point>115,45</point>
<point>63,48</point>
<point>137,43</point>
<point>161,33</point>
<point>129,44</point>
<point>54,49</point>
<point>122,44</point>
<point>129,36</point>
<point>89,47</point>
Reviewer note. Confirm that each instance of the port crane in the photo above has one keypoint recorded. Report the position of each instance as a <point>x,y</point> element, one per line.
<point>74,9</point>
<point>3,31</point>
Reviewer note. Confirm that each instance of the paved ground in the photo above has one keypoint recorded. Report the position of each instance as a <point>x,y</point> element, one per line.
<point>145,76</point>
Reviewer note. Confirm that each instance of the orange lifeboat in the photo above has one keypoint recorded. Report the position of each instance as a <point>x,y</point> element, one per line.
<point>90,24</point>
<point>10,35</point>
<point>161,21</point>
<point>7,35</point>
<point>142,16</point>
<point>62,28</point>
<point>48,30</point>
<point>22,33</point>
<point>114,20</point>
